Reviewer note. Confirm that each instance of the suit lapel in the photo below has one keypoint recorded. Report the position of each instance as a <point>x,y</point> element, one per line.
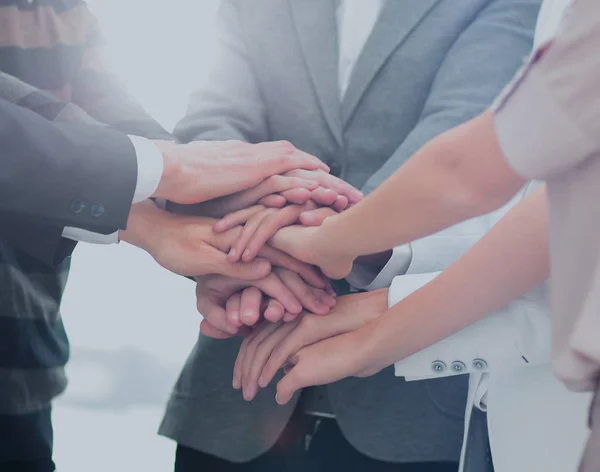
<point>397,19</point>
<point>316,27</point>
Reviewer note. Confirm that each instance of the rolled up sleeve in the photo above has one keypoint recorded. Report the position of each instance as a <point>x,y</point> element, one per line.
<point>548,119</point>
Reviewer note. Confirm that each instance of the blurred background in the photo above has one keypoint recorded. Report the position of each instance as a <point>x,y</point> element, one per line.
<point>132,324</point>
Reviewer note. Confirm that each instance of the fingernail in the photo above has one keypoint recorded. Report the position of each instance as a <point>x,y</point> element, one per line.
<point>260,266</point>
<point>277,399</point>
<point>247,256</point>
<point>262,382</point>
<point>247,315</point>
<point>236,384</point>
<point>235,316</point>
<point>233,252</point>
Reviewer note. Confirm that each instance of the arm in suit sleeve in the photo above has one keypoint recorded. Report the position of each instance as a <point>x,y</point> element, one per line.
<point>229,105</point>
<point>515,336</point>
<point>60,175</point>
<point>487,306</point>
<point>483,59</point>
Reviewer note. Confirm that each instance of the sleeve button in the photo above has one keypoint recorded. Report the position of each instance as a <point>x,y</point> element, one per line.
<point>480,364</point>
<point>77,206</point>
<point>458,367</point>
<point>438,366</point>
<point>97,210</point>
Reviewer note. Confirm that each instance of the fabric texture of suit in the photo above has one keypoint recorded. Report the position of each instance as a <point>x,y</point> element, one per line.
<point>427,66</point>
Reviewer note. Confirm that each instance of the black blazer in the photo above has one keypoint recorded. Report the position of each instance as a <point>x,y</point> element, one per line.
<point>56,175</point>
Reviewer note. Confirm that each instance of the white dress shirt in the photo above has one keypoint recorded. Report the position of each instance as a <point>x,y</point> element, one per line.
<point>149,173</point>
<point>355,21</point>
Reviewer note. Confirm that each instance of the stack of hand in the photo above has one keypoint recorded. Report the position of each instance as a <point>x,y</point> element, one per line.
<point>226,202</point>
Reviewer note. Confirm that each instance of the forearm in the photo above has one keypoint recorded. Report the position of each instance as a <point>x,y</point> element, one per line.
<point>459,175</point>
<point>510,260</point>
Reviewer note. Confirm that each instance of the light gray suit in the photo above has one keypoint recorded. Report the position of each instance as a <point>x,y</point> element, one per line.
<point>427,66</point>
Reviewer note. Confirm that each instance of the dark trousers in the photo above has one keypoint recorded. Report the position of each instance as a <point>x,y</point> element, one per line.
<point>307,445</point>
<point>28,466</point>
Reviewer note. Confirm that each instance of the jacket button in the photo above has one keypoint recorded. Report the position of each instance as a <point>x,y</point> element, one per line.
<point>438,366</point>
<point>97,210</point>
<point>480,364</point>
<point>77,206</point>
<point>458,366</point>
<point>335,168</point>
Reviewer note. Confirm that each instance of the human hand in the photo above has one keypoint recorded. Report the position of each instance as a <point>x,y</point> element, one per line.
<point>259,224</point>
<point>270,345</point>
<point>230,304</point>
<point>317,300</point>
<point>331,191</point>
<point>282,189</point>
<point>327,361</point>
<point>314,246</point>
<point>188,246</point>
<point>205,170</point>
<point>262,223</point>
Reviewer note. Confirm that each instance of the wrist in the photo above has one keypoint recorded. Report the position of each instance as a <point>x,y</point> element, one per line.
<point>145,220</point>
<point>171,169</point>
<point>333,242</point>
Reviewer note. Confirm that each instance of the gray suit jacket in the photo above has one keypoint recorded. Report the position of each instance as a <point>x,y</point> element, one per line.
<point>427,66</point>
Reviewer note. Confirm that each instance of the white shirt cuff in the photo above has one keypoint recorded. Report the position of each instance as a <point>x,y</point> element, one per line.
<point>78,234</point>
<point>363,278</point>
<point>149,168</point>
<point>149,173</point>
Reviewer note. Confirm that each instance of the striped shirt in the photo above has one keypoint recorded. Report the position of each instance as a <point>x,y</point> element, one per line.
<point>50,63</point>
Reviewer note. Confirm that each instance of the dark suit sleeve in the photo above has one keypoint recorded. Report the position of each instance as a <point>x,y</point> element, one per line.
<point>56,175</point>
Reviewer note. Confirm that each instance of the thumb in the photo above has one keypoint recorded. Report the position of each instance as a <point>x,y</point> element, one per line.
<point>316,217</point>
<point>290,384</point>
<point>253,270</point>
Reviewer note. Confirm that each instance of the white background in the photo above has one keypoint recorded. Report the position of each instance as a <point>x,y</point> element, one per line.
<point>132,324</point>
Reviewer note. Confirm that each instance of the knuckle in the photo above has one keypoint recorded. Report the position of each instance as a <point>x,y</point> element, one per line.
<point>308,322</point>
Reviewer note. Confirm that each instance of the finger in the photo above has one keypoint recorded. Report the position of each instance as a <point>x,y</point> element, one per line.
<point>276,184</point>
<point>273,287</point>
<point>237,366</point>
<point>268,227</point>
<point>210,331</point>
<point>326,297</point>
<point>265,330</point>
<point>280,157</point>
<point>274,311</point>
<point>250,303</point>
<point>232,307</point>
<point>302,291</point>
<point>324,196</point>
<point>293,381</point>
<point>261,355</point>
<point>238,218</point>
<point>331,182</point>
<point>214,314</point>
<point>316,217</point>
<point>297,196</point>
<point>220,264</point>
<point>309,273</point>
<point>340,203</point>
<point>273,201</point>
<point>238,250</point>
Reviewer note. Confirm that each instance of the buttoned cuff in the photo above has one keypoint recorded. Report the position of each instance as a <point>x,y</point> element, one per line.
<point>149,168</point>
<point>363,278</point>
<point>535,134</point>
